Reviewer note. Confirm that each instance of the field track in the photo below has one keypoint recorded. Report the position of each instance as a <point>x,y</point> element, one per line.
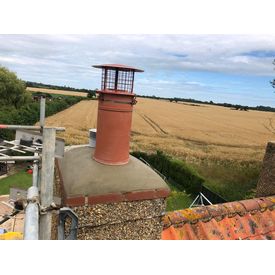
<point>183,130</point>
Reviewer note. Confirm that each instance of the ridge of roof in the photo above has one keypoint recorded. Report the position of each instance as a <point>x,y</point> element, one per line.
<point>218,211</point>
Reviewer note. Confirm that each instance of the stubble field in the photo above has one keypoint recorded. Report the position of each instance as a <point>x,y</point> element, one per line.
<point>186,131</point>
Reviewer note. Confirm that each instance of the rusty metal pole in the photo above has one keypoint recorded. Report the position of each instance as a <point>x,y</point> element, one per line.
<point>47,179</point>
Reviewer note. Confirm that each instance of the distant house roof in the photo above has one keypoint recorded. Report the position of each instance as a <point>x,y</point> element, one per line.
<point>251,219</point>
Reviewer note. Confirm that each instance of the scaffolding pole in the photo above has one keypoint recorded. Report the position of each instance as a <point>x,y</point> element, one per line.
<point>47,179</point>
<point>26,127</point>
<point>31,224</point>
<point>42,111</point>
<point>38,219</point>
<point>35,172</point>
<point>19,158</point>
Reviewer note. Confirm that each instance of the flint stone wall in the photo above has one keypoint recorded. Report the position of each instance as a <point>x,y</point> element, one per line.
<point>266,183</point>
<point>134,220</point>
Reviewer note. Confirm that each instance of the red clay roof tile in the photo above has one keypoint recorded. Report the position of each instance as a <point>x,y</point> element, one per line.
<point>247,219</point>
<point>264,202</point>
<point>235,208</point>
<point>190,232</point>
<point>250,205</point>
<point>217,211</point>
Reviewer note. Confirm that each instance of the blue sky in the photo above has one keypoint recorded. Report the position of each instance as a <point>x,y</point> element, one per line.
<point>221,68</point>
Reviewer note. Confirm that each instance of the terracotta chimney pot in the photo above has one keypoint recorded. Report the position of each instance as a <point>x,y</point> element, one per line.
<point>115,107</point>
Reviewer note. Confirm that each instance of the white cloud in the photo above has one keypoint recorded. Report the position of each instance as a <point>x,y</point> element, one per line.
<point>218,53</point>
<point>166,59</point>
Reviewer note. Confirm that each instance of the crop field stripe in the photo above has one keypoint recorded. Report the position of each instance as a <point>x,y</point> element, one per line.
<point>182,130</point>
<point>153,124</point>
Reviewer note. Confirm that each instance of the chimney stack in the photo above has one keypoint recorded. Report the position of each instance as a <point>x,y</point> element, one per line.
<point>115,107</point>
<point>114,195</point>
<point>266,183</point>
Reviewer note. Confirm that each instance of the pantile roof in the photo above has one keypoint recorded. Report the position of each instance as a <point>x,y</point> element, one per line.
<point>251,219</point>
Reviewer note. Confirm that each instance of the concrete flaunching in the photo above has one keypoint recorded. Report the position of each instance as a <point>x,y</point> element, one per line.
<point>112,202</point>
<point>82,175</point>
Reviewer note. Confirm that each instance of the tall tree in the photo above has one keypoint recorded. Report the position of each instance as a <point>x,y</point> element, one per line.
<point>273,81</point>
<point>12,90</point>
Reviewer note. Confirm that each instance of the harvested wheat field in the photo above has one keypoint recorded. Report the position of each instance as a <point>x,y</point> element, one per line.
<point>183,130</point>
<point>56,92</point>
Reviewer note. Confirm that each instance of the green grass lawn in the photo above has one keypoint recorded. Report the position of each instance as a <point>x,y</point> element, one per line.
<point>231,180</point>
<point>20,180</point>
<point>178,199</point>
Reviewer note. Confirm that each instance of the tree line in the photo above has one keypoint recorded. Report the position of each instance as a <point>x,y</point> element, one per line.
<point>17,106</point>
<point>228,105</point>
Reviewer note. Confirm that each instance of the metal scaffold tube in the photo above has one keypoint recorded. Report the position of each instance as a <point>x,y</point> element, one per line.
<point>26,127</point>
<point>35,172</point>
<point>42,111</point>
<point>19,158</point>
<point>31,225</point>
<point>38,218</point>
<point>14,127</point>
<point>47,179</point>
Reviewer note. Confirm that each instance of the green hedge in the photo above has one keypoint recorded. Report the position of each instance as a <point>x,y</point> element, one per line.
<point>178,171</point>
<point>29,113</point>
